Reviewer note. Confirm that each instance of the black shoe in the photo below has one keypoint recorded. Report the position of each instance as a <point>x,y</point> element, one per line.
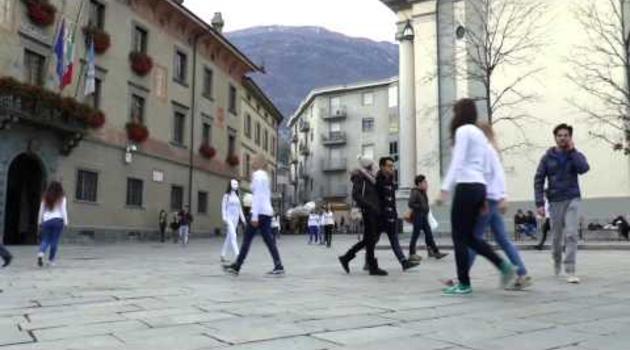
<point>538,247</point>
<point>378,272</point>
<point>276,272</point>
<point>231,269</point>
<point>7,260</point>
<point>40,261</point>
<point>408,264</point>
<point>437,255</point>
<point>345,263</point>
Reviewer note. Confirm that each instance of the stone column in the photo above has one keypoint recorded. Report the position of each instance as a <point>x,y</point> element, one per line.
<point>407,110</point>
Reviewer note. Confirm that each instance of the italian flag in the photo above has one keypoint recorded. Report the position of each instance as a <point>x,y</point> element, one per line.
<point>64,50</point>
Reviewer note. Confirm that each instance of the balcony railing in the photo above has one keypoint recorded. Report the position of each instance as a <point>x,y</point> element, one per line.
<point>335,164</point>
<point>334,138</point>
<point>304,126</point>
<point>335,191</point>
<point>44,109</point>
<point>335,112</point>
<point>304,149</point>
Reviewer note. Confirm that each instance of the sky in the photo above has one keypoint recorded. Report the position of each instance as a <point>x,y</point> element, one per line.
<point>357,18</point>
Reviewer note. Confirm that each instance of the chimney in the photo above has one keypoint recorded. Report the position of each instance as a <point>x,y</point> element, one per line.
<point>217,22</point>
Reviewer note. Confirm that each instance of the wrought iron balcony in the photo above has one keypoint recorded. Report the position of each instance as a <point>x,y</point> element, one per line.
<point>304,149</point>
<point>338,112</point>
<point>304,126</point>
<point>335,164</point>
<point>34,106</point>
<point>335,191</point>
<point>334,138</point>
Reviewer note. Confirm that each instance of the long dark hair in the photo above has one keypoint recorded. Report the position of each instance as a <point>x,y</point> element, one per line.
<point>465,112</point>
<point>229,188</point>
<point>53,194</point>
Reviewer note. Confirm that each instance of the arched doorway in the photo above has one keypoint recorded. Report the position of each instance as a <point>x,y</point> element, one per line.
<point>25,183</point>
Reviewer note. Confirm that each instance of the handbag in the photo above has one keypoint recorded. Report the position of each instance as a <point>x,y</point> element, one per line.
<point>432,222</point>
<point>409,216</point>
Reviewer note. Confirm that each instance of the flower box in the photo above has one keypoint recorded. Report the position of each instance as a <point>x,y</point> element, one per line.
<point>137,132</point>
<point>207,151</point>
<point>141,63</point>
<point>232,160</point>
<point>40,12</point>
<point>101,38</point>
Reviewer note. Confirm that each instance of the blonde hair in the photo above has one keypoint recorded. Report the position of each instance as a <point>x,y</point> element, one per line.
<point>259,162</point>
<point>489,132</point>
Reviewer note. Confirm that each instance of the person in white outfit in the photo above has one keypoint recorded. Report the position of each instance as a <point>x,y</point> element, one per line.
<point>329,224</point>
<point>53,217</point>
<point>313,227</point>
<point>232,213</point>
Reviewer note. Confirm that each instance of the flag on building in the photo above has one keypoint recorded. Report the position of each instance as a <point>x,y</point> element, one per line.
<point>90,76</point>
<point>64,50</point>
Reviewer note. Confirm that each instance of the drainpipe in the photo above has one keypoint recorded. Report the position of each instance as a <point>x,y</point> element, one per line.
<point>439,92</point>
<point>193,101</point>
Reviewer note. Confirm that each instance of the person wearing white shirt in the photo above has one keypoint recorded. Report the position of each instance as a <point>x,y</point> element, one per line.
<point>52,218</point>
<point>497,206</point>
<point>232,213</point>
<point>467,176</point>
<point>313,227</point>
<point>329,225</point>
<point>261,214</point>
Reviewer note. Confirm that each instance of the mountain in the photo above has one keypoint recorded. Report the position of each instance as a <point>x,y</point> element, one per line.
<point>299,59</point>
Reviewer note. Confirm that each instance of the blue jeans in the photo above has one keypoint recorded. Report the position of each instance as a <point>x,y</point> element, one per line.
<point>264,226</point>
<point>51,232</point>
<point>497,226</point>
<point>313,234</point>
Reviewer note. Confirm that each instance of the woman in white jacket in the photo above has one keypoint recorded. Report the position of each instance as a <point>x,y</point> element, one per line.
<point>231,212</point>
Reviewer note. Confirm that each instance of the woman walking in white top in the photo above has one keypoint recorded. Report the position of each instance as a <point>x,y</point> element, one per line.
<point>53,217</point>
<point>231,212</point>
<point>466,175</point>
<point>329,225</point>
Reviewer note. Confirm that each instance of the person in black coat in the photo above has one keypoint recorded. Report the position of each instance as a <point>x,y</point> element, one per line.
<point>365,195</point>
<point>386,187</point>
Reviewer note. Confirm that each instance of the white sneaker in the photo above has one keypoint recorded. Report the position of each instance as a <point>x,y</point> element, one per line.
<point>573,279</point>
<point>52,264</point>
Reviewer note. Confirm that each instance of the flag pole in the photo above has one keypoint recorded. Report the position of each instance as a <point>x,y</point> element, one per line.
<point>74,33</point>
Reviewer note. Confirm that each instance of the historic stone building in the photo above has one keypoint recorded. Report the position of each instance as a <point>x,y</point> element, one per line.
<point>432,42</point>
<point>331,127</point>
<point>171,88</point>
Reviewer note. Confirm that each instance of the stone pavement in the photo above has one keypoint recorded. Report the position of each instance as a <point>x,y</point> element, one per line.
<point>154,296</point>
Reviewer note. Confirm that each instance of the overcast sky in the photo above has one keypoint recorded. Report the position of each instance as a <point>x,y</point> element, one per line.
<point>358,18</point>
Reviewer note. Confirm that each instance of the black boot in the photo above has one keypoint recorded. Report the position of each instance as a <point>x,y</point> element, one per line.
<point>375,270</point>
<point>344,260</point>
<point>408,264</point>
<point>435,253</point>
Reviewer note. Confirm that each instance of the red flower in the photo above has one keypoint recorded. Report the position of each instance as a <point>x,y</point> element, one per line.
<point>137,132</point>
<point>207,151</point>
<point>101,38</point>
<point>41,12</point>
<point>96,120</point>
<point>232,160</point>
<point>141,63</point>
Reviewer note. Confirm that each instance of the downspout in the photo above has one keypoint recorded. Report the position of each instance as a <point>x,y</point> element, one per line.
<point>193,101</point>
<point>439,91</point>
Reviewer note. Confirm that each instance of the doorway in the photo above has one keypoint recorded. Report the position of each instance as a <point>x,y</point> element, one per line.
<point>25,183</point>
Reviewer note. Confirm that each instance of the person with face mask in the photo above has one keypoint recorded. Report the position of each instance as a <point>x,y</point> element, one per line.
<point>231,212</point>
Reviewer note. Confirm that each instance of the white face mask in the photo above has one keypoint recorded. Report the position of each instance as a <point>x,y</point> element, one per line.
<point>234,185</point>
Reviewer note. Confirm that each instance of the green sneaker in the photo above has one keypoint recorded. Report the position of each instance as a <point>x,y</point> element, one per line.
<point>458,289</point>
<point>508,274</point>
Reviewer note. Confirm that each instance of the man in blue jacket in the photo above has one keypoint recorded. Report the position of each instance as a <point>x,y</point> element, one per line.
<point>560,167</point>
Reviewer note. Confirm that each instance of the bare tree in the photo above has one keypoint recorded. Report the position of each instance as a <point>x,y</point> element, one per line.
<point>504,38</point>
<point>602,70</point>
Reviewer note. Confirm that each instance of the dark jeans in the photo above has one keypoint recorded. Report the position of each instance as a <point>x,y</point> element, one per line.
<point>391,229</point>
<point>468,202</point>
<point>421,223</point>
<point>264,226</point>
<point>4,253</point>
<point>329,232</point>
<point>51,232</point>
<point>370,237</point>
<point>162,232</point>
